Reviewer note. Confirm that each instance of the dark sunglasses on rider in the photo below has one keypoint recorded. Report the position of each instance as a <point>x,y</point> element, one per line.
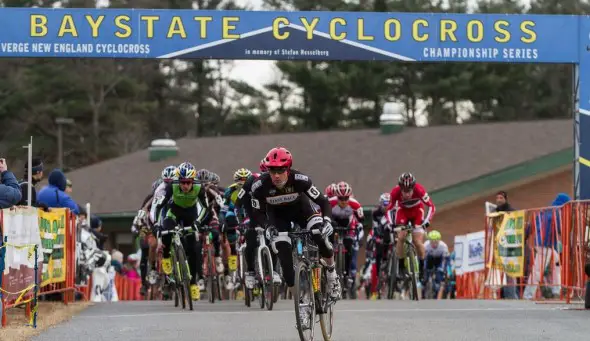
<point>277,170</point>
<point>186,182</point>
<point>343,198</point>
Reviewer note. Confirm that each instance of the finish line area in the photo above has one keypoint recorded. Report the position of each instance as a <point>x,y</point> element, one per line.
<point>443,320</point>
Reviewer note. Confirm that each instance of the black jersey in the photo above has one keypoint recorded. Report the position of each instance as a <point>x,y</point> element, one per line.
<point>265,195</point>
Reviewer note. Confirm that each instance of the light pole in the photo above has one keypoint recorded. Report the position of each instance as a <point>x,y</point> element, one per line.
<point>60,121</point>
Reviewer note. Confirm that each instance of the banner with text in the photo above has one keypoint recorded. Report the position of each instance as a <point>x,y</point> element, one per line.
<point>52,227</point>
<point>509,244</point>
<point>20,226</point>
<point>146,33</point>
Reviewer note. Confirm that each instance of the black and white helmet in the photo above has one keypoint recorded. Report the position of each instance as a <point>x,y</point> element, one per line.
<point>406,181</point>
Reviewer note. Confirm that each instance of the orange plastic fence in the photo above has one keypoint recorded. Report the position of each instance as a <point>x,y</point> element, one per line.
<point>555,251</point>
<point>67,288</point>
<point>127,288</point>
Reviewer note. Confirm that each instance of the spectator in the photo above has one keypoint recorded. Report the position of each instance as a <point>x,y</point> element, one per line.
<point>117,260</point>
<point>10,193</point>
<point>547,237</point>
<point>54,195</point>
<point>69,187</point>
<point>95,228</point>
<point>130,268</point>
<point>502,205</point>
<point>36,176</point>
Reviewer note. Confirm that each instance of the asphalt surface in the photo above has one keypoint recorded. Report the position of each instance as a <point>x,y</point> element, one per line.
<point>453,320</point>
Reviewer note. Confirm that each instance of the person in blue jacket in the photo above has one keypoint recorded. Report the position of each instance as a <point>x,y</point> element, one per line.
<point>54,195</point>
<point>10,193</point>
<point>547,240</point>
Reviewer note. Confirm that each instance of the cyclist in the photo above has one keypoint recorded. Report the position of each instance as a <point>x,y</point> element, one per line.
<point>214,200</point>
<point>143,223</point>
<point>183,200</point>
<point>284,196</point>
<point>244,201</point>
<point>347,212</point>
<point>329,190</point>
<point>409,198</point>
<point>229,212</point>
<point>437,258</point>
<point>381,239</point>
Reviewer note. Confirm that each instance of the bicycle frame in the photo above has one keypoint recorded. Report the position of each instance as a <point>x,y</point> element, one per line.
<point>261,247</point>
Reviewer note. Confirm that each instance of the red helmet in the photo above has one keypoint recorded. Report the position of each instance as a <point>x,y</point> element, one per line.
<point>343,189</point>
<point>263,165</point>
<point>278,157</point>
<point>329,191</point>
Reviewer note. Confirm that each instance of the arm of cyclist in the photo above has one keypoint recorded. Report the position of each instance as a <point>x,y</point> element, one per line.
<point>303,184</point>
<point>258,209</point>
<point>423,194</point>
<point>205,209</point>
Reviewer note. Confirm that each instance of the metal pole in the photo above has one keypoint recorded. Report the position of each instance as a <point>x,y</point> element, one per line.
<point>30,175</point>
<point>60,152</point>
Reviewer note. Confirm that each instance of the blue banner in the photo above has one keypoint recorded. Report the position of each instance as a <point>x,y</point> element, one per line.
<point>127,33</point>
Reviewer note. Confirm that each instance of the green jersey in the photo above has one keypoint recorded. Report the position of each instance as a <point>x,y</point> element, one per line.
<point>185,199</point>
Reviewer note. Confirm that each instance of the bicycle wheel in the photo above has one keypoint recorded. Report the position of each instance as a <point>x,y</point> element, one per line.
<point>211,280</point>
<point>392,273</point>
<point>412,268</point>
<point>267,280</point>
<point>260,281</point>
<point>304,312</point>
<point>327,318</point>
<point>185,276</point>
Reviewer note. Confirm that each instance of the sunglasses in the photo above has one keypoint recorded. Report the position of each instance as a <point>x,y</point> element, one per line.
<point>186,182</point>
<point>343,198</point>
<point>280,170</point>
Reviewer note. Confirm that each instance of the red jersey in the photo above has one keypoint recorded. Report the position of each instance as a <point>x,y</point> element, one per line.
<point>419,198</point>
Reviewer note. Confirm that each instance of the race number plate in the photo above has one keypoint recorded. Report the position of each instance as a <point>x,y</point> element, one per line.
<point>232,262</point>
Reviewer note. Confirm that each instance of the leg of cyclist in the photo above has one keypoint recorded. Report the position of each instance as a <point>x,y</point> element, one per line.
<point>143,263</point>
<point>312,219</point>
<point>189,242</point>
<point>250,256</point>
<point>168,224</point>
<point>348,257</point>
<point>418,238</point>
<point>281,220</point>
<point>378,262</point>
<point>217,246</point>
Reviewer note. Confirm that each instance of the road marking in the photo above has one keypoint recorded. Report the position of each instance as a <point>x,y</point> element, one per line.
<point>407,310</point>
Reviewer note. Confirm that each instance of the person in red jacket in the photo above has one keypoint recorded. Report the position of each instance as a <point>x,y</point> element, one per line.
<point>410,199</point>
<point>348,212</point>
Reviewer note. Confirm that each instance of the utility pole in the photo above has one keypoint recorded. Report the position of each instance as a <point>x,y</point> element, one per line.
<point>60,121</point>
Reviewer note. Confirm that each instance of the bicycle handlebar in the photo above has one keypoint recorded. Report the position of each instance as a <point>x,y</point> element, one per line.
<point>177,228</point>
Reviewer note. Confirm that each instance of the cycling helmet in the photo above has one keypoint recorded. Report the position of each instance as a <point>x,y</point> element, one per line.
<point>343,189</point>
<point>329,191</point>
<point>215,179</point>
<point>242,174</point>
<point>406,181</point>
<point>169,173</point>
<point>263,165</point>
<point>279,157</point>
<point>384,199</point>
<point>186,171</point>
<point>434,235</point>
<point>203,175</point>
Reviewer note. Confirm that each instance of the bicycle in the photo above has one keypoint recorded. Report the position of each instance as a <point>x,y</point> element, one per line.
<point>410,261</point>
<point>264,287</point>
<point>310,282</point>
<point>181,277</point>
<point>390,269</point>
<point>340,258</point>
<point>209,268</point>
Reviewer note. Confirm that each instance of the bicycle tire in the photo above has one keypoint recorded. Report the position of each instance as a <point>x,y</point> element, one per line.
<point>185,276</point>
<point>211,281</point>
<point>393,270</point>
<point>267,280</point>
<point>299,287</point>
<point>411,258</point>
<point>327,318</point>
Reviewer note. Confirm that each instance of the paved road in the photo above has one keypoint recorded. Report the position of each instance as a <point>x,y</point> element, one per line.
<point>355,321</point>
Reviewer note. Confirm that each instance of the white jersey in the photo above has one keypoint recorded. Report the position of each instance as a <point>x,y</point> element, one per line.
<point>442,250</point>
<point>159,195</point>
